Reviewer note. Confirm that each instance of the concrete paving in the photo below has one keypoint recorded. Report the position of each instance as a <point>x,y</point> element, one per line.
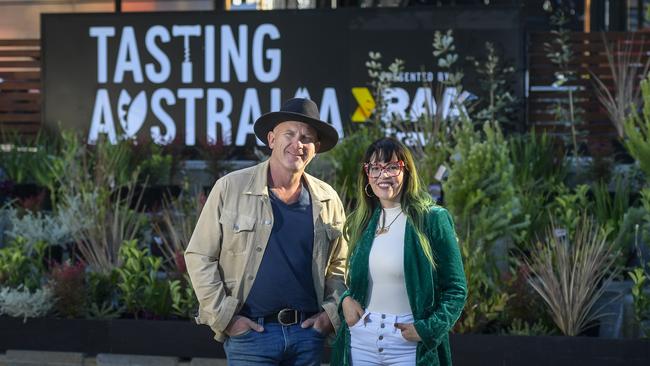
<point>44,358</point>
<point>208,362</point>
<point>107,359</point>
<point>38,358</point>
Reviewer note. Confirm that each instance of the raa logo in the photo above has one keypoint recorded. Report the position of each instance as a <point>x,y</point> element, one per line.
<point>366,104</point>
<point>399,103</point>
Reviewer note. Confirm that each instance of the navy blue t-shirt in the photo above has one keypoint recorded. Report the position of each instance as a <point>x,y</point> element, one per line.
<point>284,277</point>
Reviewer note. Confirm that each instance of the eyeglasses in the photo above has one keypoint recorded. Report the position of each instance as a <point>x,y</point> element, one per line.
<point>392,169</point>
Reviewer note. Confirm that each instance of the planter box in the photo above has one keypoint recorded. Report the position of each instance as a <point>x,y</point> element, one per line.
<point>470,350</point>
<point>184,339</point>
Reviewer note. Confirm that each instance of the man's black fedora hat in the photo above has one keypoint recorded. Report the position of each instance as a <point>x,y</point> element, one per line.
<point>299,110</point>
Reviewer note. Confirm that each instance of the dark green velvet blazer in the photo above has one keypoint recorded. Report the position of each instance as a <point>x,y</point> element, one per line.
<point>436,294</point>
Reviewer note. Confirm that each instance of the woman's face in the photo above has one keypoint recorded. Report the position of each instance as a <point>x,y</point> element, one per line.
<point>386,179</point>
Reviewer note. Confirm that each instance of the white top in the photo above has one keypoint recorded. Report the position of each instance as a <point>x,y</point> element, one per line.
<point>386,284</point>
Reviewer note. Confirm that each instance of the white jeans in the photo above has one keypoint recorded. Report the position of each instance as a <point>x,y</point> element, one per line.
<point>376,341</point>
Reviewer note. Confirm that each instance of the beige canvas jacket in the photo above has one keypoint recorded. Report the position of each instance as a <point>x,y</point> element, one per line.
<point>229,240</point>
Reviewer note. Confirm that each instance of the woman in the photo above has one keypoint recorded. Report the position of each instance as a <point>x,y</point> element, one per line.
<point>405,275</point>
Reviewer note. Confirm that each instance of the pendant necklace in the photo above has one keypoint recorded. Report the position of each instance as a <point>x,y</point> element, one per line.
<point>384,229</point>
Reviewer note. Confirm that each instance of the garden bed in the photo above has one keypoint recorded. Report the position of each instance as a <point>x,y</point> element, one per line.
<point>186,340</point>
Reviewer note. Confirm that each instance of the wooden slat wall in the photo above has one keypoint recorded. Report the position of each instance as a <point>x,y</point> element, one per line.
<point>589,55</point>
<point>20,86</point>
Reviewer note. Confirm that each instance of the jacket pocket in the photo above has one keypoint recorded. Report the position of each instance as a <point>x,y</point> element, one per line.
<point>238,232</point>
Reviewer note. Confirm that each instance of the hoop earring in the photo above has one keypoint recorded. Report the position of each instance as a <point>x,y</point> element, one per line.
<point>365,189</point>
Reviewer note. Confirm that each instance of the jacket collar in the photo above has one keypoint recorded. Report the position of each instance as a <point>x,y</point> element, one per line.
<point>258,184</point>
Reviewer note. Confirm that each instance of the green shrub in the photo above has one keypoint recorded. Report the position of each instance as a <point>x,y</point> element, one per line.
<point>538,170</point>
<point>568,207</point>
<point>610,211</point>
<point>637,130</point>
<point>480,194</point>
<point>498,102</point>
<point>184,301</point>
<point>20,266</point>
<point>156,169</point>
<point>486,299</point>
<point>27,161</point>
<point>634,227</point>
<point>142,291</point>
<point>102,296</point>
<point>641,298</point>
<point>525,308</point>
<point>479,191</point>
<point>523,328</point>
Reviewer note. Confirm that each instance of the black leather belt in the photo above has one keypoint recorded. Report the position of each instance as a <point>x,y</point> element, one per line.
<point>288,317</point>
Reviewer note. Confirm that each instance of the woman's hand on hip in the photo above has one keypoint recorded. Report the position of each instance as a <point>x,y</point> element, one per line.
<point>408,331</point>
<point>352,311</point>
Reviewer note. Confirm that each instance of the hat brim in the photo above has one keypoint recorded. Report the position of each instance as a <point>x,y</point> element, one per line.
<point>327,135</point>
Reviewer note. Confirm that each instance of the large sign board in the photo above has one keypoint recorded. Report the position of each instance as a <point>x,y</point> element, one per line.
<point>204,77</point>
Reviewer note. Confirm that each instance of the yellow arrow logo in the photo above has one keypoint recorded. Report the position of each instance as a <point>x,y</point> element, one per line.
<point>366,104</point>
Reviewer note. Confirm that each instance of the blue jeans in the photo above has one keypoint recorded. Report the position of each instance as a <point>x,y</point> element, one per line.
<point>276,345</point>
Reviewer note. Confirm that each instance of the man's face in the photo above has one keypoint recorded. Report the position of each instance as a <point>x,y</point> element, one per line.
<point>293,145</point>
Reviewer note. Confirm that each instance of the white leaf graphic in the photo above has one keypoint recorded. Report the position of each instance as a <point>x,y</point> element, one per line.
<point>131,113</point>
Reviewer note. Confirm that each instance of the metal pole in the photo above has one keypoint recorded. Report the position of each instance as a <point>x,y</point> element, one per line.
<point>118,6</point>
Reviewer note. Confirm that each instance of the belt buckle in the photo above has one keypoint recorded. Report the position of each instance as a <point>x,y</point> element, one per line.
<point>282,314</point>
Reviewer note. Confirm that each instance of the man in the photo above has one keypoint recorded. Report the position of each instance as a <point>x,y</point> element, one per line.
<point>266,257</point>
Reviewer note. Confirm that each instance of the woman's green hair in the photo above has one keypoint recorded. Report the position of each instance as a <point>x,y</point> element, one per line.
<point>415,200</point>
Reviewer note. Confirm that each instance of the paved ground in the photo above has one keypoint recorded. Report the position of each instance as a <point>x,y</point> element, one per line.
<point>38,358</point>
<point>41,358</point>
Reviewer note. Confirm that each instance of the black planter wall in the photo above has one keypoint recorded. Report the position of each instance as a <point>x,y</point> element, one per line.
<point>183,339</point>
<point>186,340</point>
<point>497,350</point>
